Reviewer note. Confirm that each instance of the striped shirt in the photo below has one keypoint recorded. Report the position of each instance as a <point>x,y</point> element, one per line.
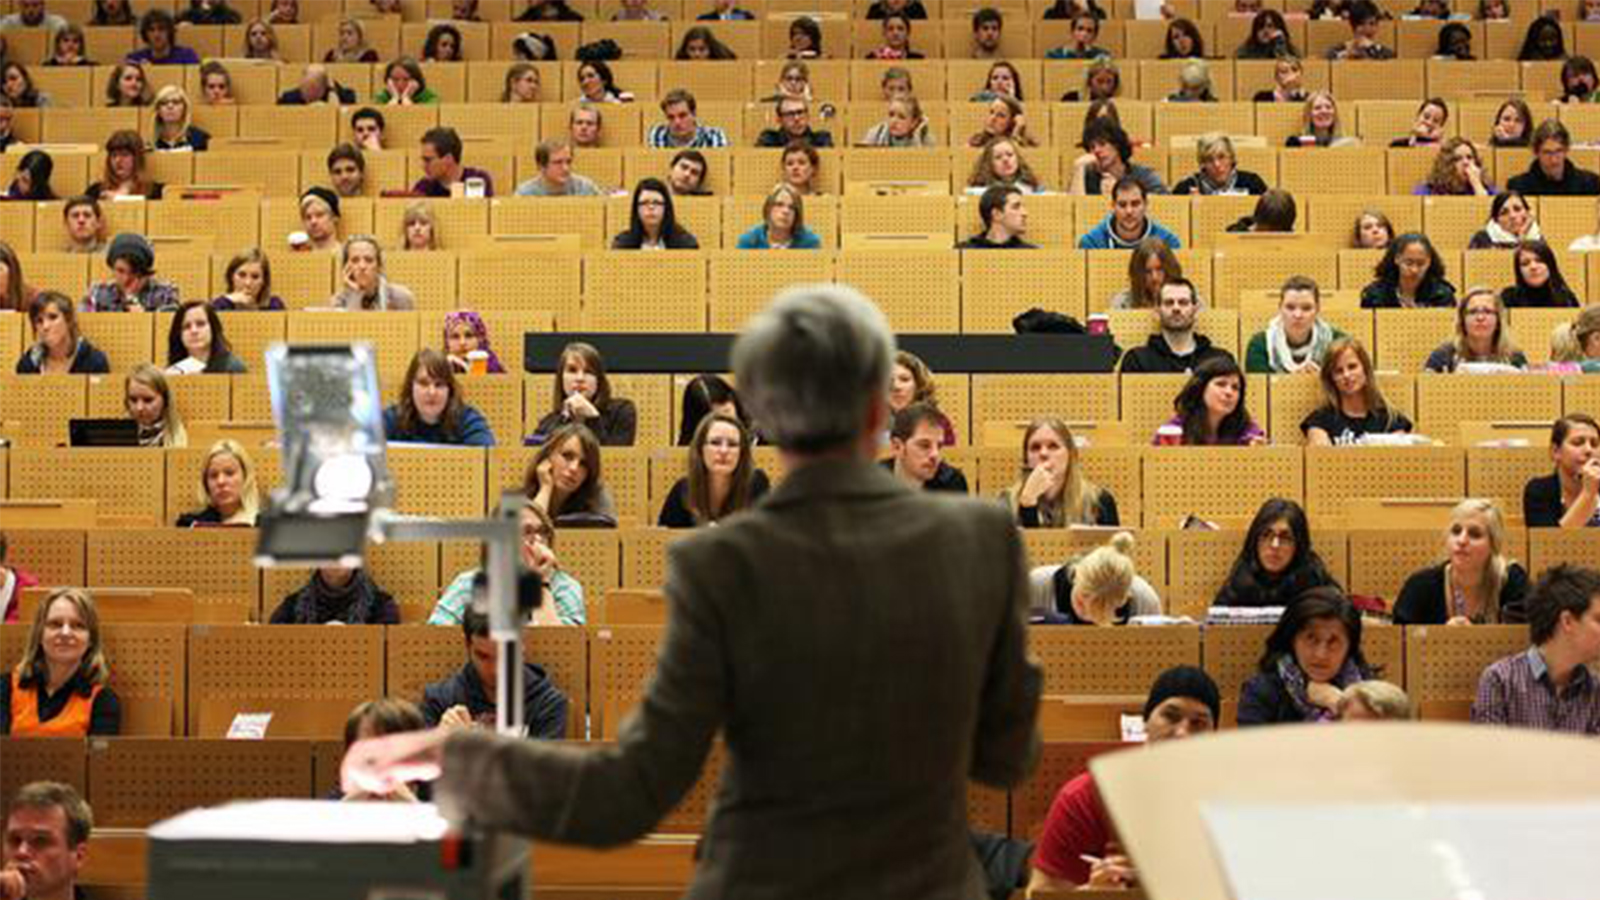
<point>704,136</point>
<point>1517,691</point>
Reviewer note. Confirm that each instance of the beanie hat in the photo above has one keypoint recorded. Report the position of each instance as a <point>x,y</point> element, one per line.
<point>323,194</point>
<point>133,248</point>
<point>1187,682</point>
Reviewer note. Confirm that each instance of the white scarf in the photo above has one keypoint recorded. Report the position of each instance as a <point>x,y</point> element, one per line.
<point>1285,358</point>
<point>1504,238</point>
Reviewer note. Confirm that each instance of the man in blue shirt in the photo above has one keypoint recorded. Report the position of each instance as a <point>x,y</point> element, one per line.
<point>1129,221</point>
<point>160,35</point>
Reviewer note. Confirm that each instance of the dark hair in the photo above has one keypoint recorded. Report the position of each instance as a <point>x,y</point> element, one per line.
<point>994,200</point>
<point>57,795</point>
<point>1129,183</point>
<point>718,49</point>
<point>701,394</point>
<point>430,46</point>
<point>698,481</point>
<point>157,18</point>
<point>1559,294</point>
<point>988,15</point>
<point>348,151</point>
<point>1283,46</point>
<point>1448,35</point>
<point>413,69</point>
<point>39,167</point>
<point>445,141</point>
<point>474,624</point>
<point>1318,603</point>
<point>1388,270</point>
<point>595,363</point>
<point>696,157</point>
<point>367,112</point>
<point>244,258</point>
<point>669,219</point>
<point>1521,106</point>
<point>586,499</point>
<point>1498,204</point>
<point>1536,29</point>
<point>1190,29</point>
<point>30,93</point>
<point>1301,283</point>
<point>1360,12</point>
<point>438,368</point>
<point>387,715</point>
<point>1563,427</point>
<point>1102,130</point>
<point>62,304</point>
<point>1016,77</point>
<point>1563,588</point>
<point>126,141</point>
<point>1550,130</point>
<point>809,27</point>
<point>221,350</point>
<point>1574,66</point>
<point>1275,211</point>
<point>1249,581</point>
<point>12,298</point>
<point>1190,404</point>
<point>913,415</point>
<point>607,80</point>
<point>1179,281</point>
<point>679,95</point>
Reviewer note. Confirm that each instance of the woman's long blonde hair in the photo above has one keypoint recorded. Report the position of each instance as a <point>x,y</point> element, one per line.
<point>1494,574</point>
<point>1079,500</point>
<point>173,434</point>
<point>1105,576</point>
<point>249,492</point>
<point>34,671</point>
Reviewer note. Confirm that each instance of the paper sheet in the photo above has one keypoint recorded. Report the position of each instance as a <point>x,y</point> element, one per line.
<point>307,821</point>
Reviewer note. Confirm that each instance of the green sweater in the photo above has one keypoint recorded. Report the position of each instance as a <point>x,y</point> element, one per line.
<point>1256,360</point>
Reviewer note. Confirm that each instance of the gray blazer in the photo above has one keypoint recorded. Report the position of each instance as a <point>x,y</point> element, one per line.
<point>860,646</point>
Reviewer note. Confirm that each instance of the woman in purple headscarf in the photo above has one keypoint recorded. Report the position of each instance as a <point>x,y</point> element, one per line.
<point>465,332</point>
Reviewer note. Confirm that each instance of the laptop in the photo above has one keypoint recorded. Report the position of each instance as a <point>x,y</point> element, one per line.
<point>103,433</point>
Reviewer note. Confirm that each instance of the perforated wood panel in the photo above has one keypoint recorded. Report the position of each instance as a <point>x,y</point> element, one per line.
<point>1181,480</point>
<point>1551,546</point>
<point>998,286</point>
<point>1531,329</point>
<point>29,760</point>
<point>594,557</point>
<point>622,659</point>
<point>1147,402</point>
<point>309,676</point>
<point>644,292</point>
<point>125,339</point>
<point>644,556</point>
<point>1405,337</point>
<point>1110,661</point>
<point>430,274</point>
<point>514,281</point>
<point>1238,270</point>
<point>896,215</point>
<point>1054,546</point>
<point>1382,559</point>
<point>126,483</point>
<point>626,473</point>
<point>213,562</point>
<point>1059,763</point>
<point>134,783</point>
<point>439,481</point>
<point>251,400</point>
<point>500,401</point>
<point>1444,402</point>
<point>41,407</point>
<point>196,398</point>
<point>1444,664</point>
<point>148,666</point>
<point>581,216</point>
<point>1023,398</point>
<point>56,558</point>
<point>393,336</point>
<point>919,292</point>
<point>1502,472</point>
<point>1336,475</point>
<point>1231,653</point>
<point>743,283</point>
<point>1200,563</point>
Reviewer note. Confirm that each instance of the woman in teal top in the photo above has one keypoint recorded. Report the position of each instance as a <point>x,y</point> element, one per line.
<point>783,224</point>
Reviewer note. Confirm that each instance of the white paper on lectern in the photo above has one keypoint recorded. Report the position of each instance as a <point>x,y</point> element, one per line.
<point>307,822</point>
<point>1407,851</point>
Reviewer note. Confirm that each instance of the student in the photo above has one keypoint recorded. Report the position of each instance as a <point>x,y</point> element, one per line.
<point>1275,213</point>
<point>1457,172</point>
<point>1269,38</point>
<point>227,491</point>
<point>521,84</point>
<point>319,217</point>
<point>1219,171</point>
<point>442,168</point>
<point>1005,121</point>
<point>562,594</point>
<point>1005,221</point>
<point>1176,347</point>
<point>1364,18</point>
<point>1550,686</point>
<point>1052,490</point>
<point>133,285</point>
<point>1578,80</point>
<point>1320,124</point>
<point>584,126</point>
<point>1411,274</point>
<point>805,39</point>
<point>1102,80</point>
<point>904,125</point>
<point>347,170</point>
<point>1455,43</point>
<point>1551,172</point>
<point>582,395</point>
<point>1100,587</point>
<point>702,396</point>
<point>1183,41</point>
<point>1510,223</point>
<point>1312,655</point>
<point>85,225</point>
<point>1277,562</point>
<point>564,479</point>
<point>1085,31</point>
<point>896,40</point>
<point>147,398</point>
<point>782,224</point>
<point>335,594</point>
<point>1353,405</point>
<point>351,44</point>
<point>722,476</point>
<point>1211,410</point>
<point>1513,124</point>
<point>652,223</point>
<point>1003,80</point>
<point>464,332</point>
<point>59,347</point>
<point>1538,280</point>
<point>367,125</point>
<point>419,228</point>
<point>988,25</point>
<point>431,410</point>
<point>1001,163</point>
<point>1194,84</point>
<point>686,174</point>
<point>1298,337</point>
<point>364,284</point>
<point>1128,223</point>
<point>911,381</point>
<point>682,127</point>
<point>597,85</point>
<point>160,35</point>
<point>1428,129</point>
<point>32,179</point>
<point>556,178</point>
<point>1569,497</point>
<point>196,343</point>
<point>1077,848</point>
<point>1150,266</point>
<point>794,124</point>
<point>1482,341</point>
<point>467,698</point>
<point>59,688</point>
<point>1543,40</point>
<point>443,44</point>
<point>404,84</point>
<point>700,43</point>
<point>1107,160</point>
<point>1476,583</point>
<point>124,174</point>
<point>914,443</point>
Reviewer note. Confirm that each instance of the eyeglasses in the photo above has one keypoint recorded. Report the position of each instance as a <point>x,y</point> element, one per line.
<point>652,203</point>
<point>791,113</point>
<point>1276,538</point>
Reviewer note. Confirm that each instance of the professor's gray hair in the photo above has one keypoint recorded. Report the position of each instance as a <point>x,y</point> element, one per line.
<point>812,363</point>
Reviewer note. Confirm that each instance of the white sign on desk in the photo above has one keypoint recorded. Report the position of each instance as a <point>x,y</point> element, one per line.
<point>1408,851</point>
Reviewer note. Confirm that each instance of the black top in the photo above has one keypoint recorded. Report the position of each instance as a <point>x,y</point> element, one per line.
<point>614,427</point>
<point>1061,585</point>
<point>207,516</point>
<point>1265,701</point>
<point>1386,295</point>
<point>345,95</point>
<point>1516,297</point>
<point>981,242</point>
<point>1156,356</point>
<point>196,139</point>
<point>1573,182</point>
<point>550,12</point>
<point>677,240</point>
<point>1244,182</point>
<point>544,707</point>
<point>105,716</point>
<point>945,478</point>
<point>1542,506</point>
<point>777,137</point>
<point>1268,95</point>
<point>1247,587</point>
<point>1445,359</point>
<point>1421,600</point>
<point>913,10</point>
<point>358,600</point>
<point>1343,430</point>
<point>675,511</point>
<point>1105,514</point>
<point>87,361</point>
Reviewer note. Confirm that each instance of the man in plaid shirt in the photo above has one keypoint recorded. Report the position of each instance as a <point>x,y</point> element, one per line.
<point>1549,685</point>
<point>682,128</point>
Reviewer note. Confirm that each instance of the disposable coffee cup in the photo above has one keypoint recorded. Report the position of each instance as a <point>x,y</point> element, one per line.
<point>1169,435</point>
<point>478,362</point>
<point>1099,323</point>
<point>299,241</point>
<point>474,187</point>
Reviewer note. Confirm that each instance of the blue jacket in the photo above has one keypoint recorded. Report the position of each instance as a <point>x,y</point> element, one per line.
<point>1102,237</point>
<point>474,430</point>
<point>756,239</point>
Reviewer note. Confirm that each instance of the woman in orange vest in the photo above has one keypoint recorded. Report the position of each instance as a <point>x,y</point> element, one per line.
<point>59,689</point>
